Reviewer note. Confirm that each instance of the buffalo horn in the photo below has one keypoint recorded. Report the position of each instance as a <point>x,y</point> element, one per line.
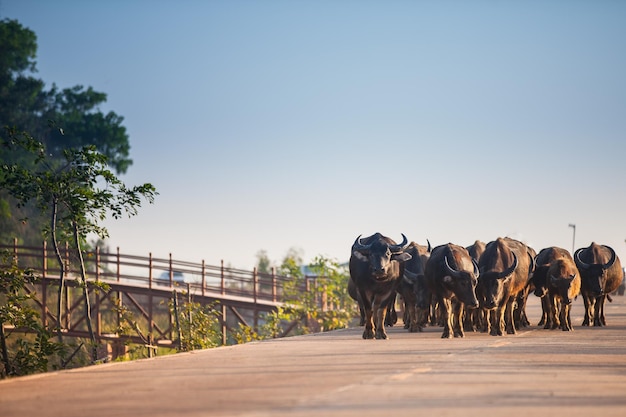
<point>612,260</point>
<point>401,246</point>
<point>358,246</point>
<point>587,266</point>
<point>579,261</point>
<point>476,270</point>
<point>510,269</point>
<point>453,272</point>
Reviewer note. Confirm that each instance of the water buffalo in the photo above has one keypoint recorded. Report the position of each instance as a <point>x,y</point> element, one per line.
<point>391,316</point>
<point>601,273</point>
<point>376,266</point>
<point>504,273</point>
<point>476,249</point>
<point>563,286</point>
<point>539,279</point>
<point>474,318</point>
<point>413,288</point>
<point>519,312</point>
<point>451,275</point>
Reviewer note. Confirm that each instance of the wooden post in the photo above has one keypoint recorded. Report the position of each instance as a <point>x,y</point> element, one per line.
<point>203,278</point>
<point>171,272</point>
<point>150,298</point>
<point>150,270</point>
<point>274,284</point>
<point>223,284</point>
<point>120,300</point>
<point>44,286</point>
<point>255,281</point>
<point>224,327</point>
<point>178,332</point>
<point>96,291</point>
<point>68,318</point>
<point>118,264</point>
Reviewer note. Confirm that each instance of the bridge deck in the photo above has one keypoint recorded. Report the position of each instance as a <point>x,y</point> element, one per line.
<point>535,372</point>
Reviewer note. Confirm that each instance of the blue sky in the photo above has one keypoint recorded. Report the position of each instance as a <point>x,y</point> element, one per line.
<point>270,125</point>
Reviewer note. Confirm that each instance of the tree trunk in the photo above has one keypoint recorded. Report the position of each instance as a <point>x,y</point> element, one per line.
<point>83,277</point>
<point>5,352</point>
<point>57,252</point>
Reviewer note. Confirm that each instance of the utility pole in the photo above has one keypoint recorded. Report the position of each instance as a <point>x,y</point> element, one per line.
<point>573,226</point>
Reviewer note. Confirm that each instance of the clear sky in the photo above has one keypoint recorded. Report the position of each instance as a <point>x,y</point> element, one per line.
<point>270,125</point>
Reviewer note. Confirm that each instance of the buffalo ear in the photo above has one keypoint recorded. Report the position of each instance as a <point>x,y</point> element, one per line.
<point>401,257</point>
<point>360,256</point>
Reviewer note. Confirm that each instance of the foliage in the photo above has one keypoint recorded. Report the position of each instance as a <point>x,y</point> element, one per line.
<point>313,304</point>
<point>198,325</point>
<point>272,327</point>
<point>77,195</point>
<point>83,185</point>
<point>264,265</point>
<point>26,105</point>
<point>26,356</point>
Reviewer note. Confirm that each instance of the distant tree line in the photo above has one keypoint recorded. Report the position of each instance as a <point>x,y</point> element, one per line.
<point>59,119</point>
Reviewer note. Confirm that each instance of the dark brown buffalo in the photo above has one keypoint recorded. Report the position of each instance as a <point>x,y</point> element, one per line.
<point>376,266</point>
<point>519,313</point>
<point>601,273</point>
<point>563,284</point>
<point>539,279</point>
<point>476,249</point>
<point>391,316</point>
<point>504,273</point>
<point>474,318</point>
<point>413,288</point>
<point>353,292</point>
<point>451,275</point>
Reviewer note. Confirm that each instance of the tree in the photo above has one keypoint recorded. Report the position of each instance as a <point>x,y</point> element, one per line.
<point>26,105</point>
<point>76,195</point>
<point>312,304</point>
<point>26,358</point>
<point>264,265</point>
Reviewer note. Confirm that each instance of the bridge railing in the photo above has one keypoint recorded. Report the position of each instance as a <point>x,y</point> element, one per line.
<point>154,272</point>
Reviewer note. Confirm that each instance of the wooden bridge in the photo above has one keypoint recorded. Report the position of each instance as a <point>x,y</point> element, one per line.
<point>144,287</point>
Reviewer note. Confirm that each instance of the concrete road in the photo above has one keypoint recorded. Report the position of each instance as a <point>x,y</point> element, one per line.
<point>536,372</point>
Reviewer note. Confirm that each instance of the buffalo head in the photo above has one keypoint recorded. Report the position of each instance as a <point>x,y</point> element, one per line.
<point>462,283</point>
<point>380,251</point>
<point>594,273</point>
<point>493,284</point>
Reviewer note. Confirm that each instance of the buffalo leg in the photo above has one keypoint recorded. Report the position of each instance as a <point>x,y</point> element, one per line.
<point>497,321</point>
<point>508,316</point>
<point>446,313</point>
<point>566,322</point>
<point>599,312</point>
<point>457,320</point>
<point>380,312</point>
<point>368,332</point>
<point>554,321</point>
<point>545,311</point>
<point>602,318</point>
<point>588,310</point>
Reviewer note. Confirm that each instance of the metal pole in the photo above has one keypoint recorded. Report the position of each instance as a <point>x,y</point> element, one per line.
<point>573,226</point>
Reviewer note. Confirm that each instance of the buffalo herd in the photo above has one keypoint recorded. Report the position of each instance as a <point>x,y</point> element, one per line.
<point>482,287</point>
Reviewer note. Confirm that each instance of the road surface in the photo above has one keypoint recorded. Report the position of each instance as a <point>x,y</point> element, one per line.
<point>536,372</point>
